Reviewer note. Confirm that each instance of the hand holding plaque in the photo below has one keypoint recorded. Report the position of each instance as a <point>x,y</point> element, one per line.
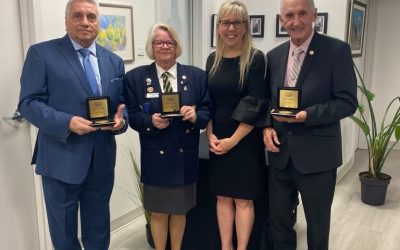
<point>288,102</point>
<point>98,111</point>
<point>170,104</point>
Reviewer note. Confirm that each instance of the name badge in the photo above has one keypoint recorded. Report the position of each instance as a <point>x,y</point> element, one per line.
<point>152,95</point>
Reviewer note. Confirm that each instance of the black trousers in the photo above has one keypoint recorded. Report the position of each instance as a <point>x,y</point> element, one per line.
<point>316,190</point>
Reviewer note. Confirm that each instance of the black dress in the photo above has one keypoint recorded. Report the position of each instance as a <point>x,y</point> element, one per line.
<point>240,173</point>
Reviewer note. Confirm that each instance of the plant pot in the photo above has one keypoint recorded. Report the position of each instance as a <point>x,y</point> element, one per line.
<point>149,236</point>
<point>373,191</point>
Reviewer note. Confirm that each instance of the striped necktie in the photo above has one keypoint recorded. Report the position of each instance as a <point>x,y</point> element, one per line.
<point>89,71</point>
<point>295,70</point>
<point>167,87</point>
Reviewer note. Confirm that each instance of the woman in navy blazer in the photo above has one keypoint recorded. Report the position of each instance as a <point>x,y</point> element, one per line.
<point>169,146</point>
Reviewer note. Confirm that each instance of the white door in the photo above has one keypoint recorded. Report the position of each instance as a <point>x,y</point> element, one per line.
<point>18,227</point>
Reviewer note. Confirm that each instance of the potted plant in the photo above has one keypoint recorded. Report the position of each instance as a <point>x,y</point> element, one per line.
<point>135,173</point>
<point>374,183</point>
<point>139,190</point>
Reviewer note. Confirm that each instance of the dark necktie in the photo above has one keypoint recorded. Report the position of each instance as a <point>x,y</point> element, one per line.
<point>295,70</point>
<point>167,87</point>
<point>89,71</point>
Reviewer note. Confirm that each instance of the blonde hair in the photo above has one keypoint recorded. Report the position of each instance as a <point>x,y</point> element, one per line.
<point>237,8</point>
<point>171,32</point>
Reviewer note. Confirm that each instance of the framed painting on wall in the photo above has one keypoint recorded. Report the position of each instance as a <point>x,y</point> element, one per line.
<point>321,23</point>
<point>116,30</point>
<point>213,30</point>
<point>280,31</point>
<point>257,25</point>
<point>355,27</point>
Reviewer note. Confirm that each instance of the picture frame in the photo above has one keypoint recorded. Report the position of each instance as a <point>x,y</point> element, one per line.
<point>116,30</point>
<point>257,25</point>
<point>356,26</point>
<point>213,30</point>
<point>280,30</point>
<point>321,23</point>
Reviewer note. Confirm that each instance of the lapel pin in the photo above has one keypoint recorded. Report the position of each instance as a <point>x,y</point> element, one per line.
<point>184,77</point>
<point>148,81</point>
<point>185,88</point>
<point>150,89</point>
<point>311,52</point>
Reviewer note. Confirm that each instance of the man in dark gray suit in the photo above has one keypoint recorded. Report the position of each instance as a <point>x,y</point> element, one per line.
<point>305,150</point>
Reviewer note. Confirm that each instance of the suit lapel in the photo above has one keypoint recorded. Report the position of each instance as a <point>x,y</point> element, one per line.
<point>151,85</point>
<point>182,82</point>
<point>103,66</point>
<point>283,62</point>
<point>307,60</point>
<point>68,51</point>
<point>152,74</point>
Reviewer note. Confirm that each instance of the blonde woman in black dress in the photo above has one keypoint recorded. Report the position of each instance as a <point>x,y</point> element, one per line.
<point>237,160</point>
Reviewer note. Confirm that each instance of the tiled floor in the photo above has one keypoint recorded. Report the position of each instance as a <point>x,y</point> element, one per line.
<point>354,226</point>
<point>131,237</point>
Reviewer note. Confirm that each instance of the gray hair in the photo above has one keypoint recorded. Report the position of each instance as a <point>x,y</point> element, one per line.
<point>170,31</point>
<point>70,2</point>
<point>310,4</point>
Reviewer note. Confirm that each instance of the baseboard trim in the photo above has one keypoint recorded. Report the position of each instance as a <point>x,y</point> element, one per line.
<point>342,171</point>
<point>124,220</point>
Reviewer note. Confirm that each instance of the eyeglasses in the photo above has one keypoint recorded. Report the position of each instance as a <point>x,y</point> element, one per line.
<point>237,24</point>
<point>168,43</point>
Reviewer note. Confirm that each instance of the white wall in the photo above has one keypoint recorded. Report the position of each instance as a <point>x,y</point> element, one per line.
<point>336,21</point>
<point>385,82</point>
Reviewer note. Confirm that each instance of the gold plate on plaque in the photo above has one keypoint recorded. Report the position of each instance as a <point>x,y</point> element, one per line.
<point>288,102</point>
<point>98,111</point>
<point>170,104</point>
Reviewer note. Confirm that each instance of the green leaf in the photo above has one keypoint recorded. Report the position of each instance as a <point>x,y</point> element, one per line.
<point>361,124</point>
<point>370,96</point>
<point>361,108</point>
<point>397,132</point>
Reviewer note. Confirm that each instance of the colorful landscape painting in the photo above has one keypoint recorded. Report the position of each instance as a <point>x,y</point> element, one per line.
<point>112,34</point>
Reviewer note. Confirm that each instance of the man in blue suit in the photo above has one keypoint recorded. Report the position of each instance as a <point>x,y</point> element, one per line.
<point>305,150</point>
<point>75,159</point>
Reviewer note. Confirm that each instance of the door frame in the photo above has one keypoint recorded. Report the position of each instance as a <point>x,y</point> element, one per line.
<point>29,37</point>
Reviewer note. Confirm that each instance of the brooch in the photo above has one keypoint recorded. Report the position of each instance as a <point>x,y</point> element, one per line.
<point>148,81</point>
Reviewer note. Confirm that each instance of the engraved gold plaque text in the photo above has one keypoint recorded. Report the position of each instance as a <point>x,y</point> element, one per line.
<point>170,104</point>
<point>98,111</point>
<point>288,102</point>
